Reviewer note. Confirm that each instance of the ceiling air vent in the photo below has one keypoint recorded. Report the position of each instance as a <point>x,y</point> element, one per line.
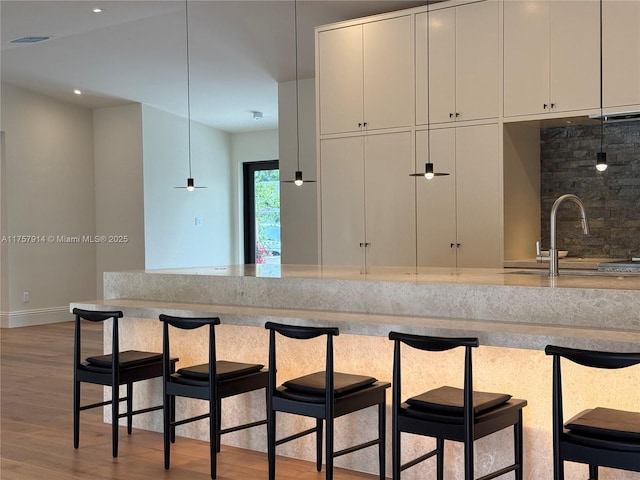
<point>30,39</point>
<point>618,117</point>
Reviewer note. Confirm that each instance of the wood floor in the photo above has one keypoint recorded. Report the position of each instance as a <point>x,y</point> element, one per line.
<point>36,424</point>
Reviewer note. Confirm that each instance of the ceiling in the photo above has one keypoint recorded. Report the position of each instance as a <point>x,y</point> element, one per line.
<point>135,51</point>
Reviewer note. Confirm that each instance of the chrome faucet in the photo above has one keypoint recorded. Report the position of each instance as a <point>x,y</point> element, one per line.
<point>553,250</point>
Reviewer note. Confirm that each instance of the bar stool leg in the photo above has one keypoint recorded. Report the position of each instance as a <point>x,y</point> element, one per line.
<point>213,438</point>
<point>517,442</point>
<point>76,414</point>
<point>440,458</point>
<point>329,449</point>
<point>115,410</point>
<point>218,425</point>
<point>169,401</point>
<point>382,421</point>
<point>319,444</point>
<point>593,472</point>
<point>172,417</point>
<point>129,407</point>
<point>271,442</point>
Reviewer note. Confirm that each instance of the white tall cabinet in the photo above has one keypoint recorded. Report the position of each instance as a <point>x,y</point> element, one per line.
<point>551,56</point>
<point>366,80</point>
<point>459,216</point>
<point>368,209</point>
<point>463,63</point>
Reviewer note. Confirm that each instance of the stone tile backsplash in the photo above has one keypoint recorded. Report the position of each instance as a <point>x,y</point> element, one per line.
<point>611,198</point>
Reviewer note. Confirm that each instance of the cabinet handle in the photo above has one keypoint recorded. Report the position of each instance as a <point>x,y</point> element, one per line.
<point>457,245</point>
<point>553,105</point>
<point>457,114</point>
<point>451,245</point>
<point>364,124</point>
<point>544,105</point>
<point>359,125</point>
<point>365,244</point>
<point>451,115</point>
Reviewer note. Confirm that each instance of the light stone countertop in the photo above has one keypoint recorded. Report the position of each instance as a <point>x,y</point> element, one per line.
<point>502,308</point>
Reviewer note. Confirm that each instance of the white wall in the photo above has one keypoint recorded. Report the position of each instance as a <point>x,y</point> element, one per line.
<point>298,205</point>
<point>171,238</point>
<point>49,191</point>
<point>117,138</point>
<point>249,147</point>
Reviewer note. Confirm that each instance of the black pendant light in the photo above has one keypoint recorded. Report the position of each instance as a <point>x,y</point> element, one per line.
<point>190,182</point>
<point>298,180</point>
<point>428,167</point>
<point>601,156</point>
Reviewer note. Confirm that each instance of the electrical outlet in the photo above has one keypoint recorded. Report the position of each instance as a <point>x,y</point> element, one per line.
<point>26,296</point>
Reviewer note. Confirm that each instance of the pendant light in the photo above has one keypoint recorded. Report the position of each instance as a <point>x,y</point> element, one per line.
<point>298,180</point>
<point>601,156</point>
<point>428,167</point>
<point>190,182</point>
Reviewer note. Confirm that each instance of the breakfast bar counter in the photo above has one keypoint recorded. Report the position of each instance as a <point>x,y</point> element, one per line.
<point>513,314</point>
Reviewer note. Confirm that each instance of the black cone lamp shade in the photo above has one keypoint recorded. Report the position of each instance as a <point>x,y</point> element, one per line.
<point>428,172</point>
<point>299,181</point>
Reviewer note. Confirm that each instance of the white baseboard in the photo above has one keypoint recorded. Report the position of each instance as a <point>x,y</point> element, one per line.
<point>37,316</point>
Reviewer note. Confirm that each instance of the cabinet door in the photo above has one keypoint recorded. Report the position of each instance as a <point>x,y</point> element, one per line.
<point>575,59</point>
<point>478,186</point>
<point>388,73</point>
<point>341,173</point>
<point>436,199</point>
<point>389,200</point>
<point>340,72</point>
<point>621,54</point>
<point>477,60</point>
<point>442,65</point>
<point>526,57</point>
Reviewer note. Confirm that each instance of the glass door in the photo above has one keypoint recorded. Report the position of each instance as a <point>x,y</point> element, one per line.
<point>262,212</point>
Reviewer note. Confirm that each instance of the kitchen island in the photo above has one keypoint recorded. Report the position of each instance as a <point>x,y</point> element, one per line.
<point>514,315</point>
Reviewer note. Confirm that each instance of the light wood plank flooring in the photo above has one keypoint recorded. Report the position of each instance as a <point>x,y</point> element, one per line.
<point>36,424</point>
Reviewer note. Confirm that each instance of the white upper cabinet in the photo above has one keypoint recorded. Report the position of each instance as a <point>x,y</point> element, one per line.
<point>463,61</point>
<point>365,76</point>
<point>551,56</point>
<point>621,54</point>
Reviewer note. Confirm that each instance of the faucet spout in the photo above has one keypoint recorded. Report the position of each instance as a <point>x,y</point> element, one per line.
<point>553,250</point>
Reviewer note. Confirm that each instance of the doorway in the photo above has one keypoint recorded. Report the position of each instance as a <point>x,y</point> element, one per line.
<point>261,185</point>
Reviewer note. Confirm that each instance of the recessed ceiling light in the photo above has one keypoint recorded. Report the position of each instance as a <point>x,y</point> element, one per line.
<point>98,10</point>
<point>77,92</point>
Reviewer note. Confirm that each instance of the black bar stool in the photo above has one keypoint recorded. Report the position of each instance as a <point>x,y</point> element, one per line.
<point>447,413</point>
<point>210,381</point>
<point>599,436</point>
<point>112,370</point>
<point>324,395</point>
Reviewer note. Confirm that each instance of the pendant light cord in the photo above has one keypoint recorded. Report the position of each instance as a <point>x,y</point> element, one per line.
<point>295,30</point>
<point>428,89</point>
<point>186,19</point>
<point>601,87</point>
